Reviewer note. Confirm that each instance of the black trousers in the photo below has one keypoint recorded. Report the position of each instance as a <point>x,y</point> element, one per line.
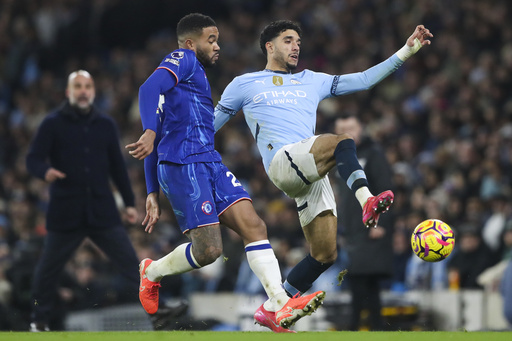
<point>365,290</point>
<point>58,249</point>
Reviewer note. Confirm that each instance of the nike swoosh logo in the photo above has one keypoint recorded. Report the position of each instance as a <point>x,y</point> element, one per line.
<point>274,323</point>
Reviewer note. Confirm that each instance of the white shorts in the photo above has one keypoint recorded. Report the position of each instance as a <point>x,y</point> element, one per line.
<point>293,170</point>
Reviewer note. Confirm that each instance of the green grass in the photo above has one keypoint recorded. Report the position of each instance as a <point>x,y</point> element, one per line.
<point>256,336</point>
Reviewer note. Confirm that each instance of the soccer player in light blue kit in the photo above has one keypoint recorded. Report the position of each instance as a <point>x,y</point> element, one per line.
<point>176,109</point>
<point>280,109</point>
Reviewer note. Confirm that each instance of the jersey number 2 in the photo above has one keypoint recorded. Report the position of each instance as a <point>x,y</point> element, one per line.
<point>234,181</point>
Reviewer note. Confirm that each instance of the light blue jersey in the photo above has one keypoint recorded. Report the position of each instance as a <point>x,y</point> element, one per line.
<point>280,108</point>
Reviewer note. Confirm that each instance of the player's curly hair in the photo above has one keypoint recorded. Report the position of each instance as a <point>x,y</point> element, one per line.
<point>274,29</point>
<point>193,23</point>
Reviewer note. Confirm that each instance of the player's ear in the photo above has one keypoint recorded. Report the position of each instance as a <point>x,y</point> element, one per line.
<point>269,46</point>
<point>190,44</point>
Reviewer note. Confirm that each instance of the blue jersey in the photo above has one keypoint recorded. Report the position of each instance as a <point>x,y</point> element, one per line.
<point>280,108</point>
<point>175,101</point>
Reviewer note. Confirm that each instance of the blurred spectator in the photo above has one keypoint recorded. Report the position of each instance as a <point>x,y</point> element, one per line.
<point>471,257</point>
<point>370,252</point>
<point>506,290</point>
<point>499,276</point>
<point>76,150</point>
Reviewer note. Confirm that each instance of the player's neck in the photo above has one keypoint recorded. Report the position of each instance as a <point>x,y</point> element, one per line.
<point>276,68</point>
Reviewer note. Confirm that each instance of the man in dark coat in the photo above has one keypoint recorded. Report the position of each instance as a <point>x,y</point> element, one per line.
<point>369,251</point>
<point>76,150</point>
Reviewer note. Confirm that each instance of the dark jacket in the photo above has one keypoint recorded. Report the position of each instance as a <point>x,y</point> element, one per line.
<point>367,256</point>
<point>86,148</point>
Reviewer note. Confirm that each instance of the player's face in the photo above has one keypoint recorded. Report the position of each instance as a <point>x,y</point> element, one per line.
<point>287,49</point>
<point>207,46</point>
<point>81,92</point>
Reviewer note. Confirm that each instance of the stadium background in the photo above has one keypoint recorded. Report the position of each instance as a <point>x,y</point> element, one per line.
<point>444,119</point>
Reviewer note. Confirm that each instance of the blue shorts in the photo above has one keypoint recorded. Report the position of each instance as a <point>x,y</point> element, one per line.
<point>199,192</point>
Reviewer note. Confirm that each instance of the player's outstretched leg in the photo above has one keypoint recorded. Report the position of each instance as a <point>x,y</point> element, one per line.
<point>374,206</point>
<point>298,307</point>
<point>148,290</point>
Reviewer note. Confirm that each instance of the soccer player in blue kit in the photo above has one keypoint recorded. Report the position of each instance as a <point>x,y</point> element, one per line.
<point>177,146</point>
<point>280,109</point>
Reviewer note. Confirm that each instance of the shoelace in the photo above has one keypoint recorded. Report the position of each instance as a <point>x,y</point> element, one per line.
<point>153,290</point>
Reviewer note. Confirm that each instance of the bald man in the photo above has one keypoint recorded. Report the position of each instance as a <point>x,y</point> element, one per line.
<point>76,151</point>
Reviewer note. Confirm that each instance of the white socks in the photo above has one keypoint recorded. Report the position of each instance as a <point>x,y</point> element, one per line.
<point>260,256</point>
<point>180,260</point>
<point>263,263</point>
<point>362,195</point>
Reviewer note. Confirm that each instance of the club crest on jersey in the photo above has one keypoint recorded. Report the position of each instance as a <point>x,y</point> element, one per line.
<point>277,80</point>
<point>207,207</point>
<point>177,54</point>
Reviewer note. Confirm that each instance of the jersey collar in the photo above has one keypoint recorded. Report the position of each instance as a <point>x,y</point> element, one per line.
<point>283,72</point>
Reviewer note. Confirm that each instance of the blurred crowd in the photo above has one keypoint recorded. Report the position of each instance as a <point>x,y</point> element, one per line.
<point>444,120</point>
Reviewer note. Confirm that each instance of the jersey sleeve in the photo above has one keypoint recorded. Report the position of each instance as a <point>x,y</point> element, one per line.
<point>180,63</point>
<point>230,103</point>
<point>324,83</point>
<point>151,162</point>
<point>149,96</point>
<point>175,67</point>
<point>352,82</point>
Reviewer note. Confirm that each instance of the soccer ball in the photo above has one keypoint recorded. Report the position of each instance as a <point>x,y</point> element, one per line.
<point>432,240</point>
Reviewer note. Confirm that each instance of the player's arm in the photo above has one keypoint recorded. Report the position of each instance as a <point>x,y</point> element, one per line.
<point>151,161</point>
<point>160,81</point>
<point>230,103</point>
<point>365,80</point>
<point>152,186</point>
<point>152,212</point>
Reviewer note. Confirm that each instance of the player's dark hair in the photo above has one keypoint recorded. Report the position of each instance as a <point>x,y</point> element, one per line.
<point>193,23</point>
<point>274,29</point>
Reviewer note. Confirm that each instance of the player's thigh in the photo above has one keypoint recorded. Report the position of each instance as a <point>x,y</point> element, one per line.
<point>319,198</point>
<point>235,206</point>
<point>189,189</point>
<point>243,219</point>
<point>293,168</point>
<point>323,151</point>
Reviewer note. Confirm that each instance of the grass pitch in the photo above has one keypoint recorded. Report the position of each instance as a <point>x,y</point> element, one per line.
<point>256,336</point>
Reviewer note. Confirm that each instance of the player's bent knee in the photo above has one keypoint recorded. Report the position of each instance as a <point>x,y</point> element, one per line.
<point>344,136</point>
<point>255,227</point>
<point>326,258</point>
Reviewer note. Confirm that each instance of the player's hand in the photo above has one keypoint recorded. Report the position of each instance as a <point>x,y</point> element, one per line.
<point>131,214</point>
<point>152,212</point>
<point>144,146</point>
<point>53,174</point>
<point>422,34</point>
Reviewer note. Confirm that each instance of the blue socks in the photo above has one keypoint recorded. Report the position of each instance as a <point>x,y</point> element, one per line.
<point>348,166</point>
<point>303,275</point>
